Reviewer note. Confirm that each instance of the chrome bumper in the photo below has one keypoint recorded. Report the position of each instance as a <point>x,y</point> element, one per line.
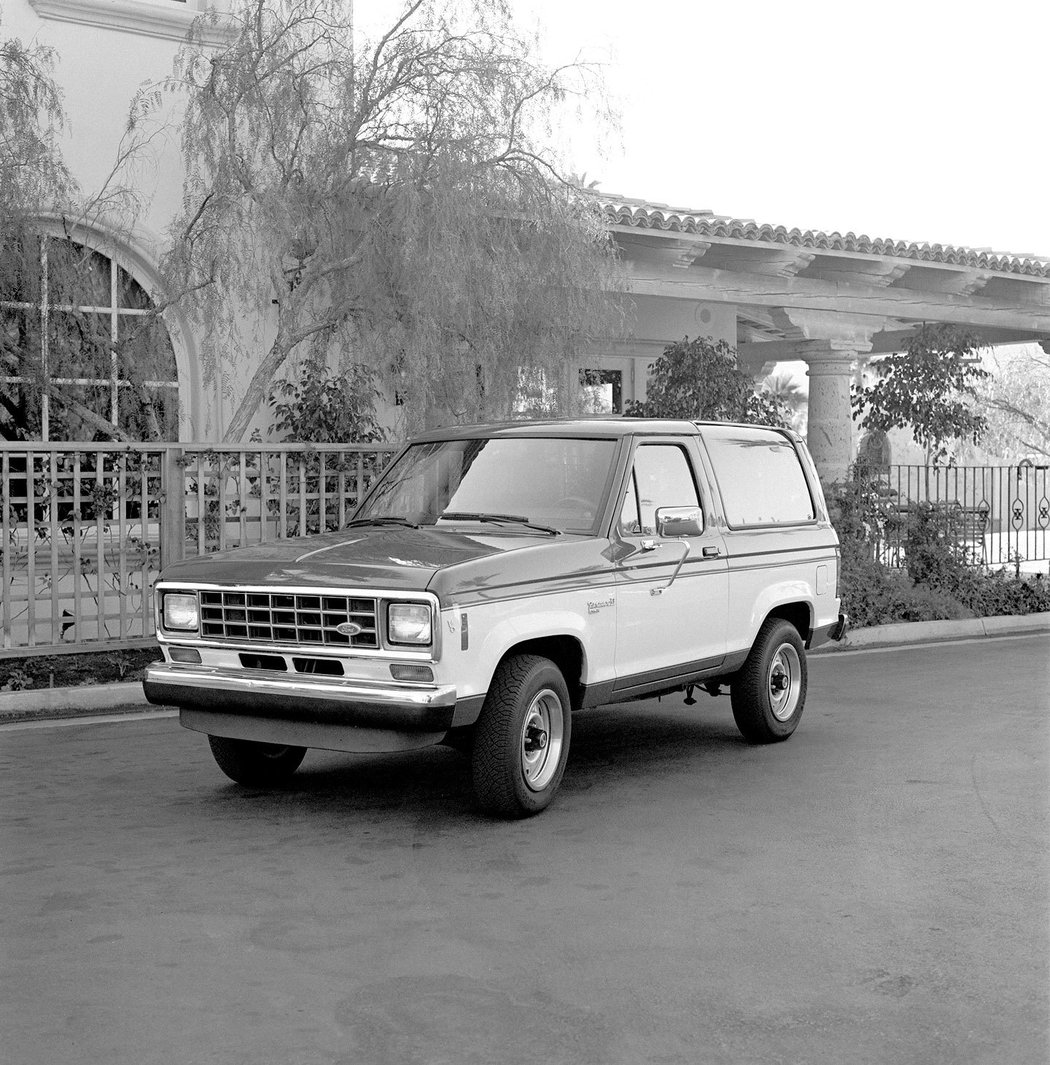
<point>321,700</point>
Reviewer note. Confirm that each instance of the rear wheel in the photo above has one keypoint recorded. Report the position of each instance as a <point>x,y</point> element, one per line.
<point>769,692</point>
<point>255,764</point>
<point>521,740</point>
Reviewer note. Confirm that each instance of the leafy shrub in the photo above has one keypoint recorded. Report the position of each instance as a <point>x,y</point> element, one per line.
<point>934,553</point>
<point>16,680</point>
<point>325,408</point>
<point>995,594</point>
<point>70,671</point>
<point>700,379</point>
<point>873,594</point>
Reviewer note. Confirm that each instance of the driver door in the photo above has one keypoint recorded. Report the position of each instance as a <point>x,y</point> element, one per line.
<point>671,618</point>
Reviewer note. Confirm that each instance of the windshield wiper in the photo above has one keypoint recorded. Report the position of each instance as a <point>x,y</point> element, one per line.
<point>497,519</point>
<point>381,521</point>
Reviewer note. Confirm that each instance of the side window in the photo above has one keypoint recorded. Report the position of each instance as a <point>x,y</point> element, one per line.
<point>661,477</point>
<point>759,476</point>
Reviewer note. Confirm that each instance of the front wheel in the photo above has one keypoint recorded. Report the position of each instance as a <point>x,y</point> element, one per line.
<point>769,692</point>
<point>255,764</point>
<point>521,740</point>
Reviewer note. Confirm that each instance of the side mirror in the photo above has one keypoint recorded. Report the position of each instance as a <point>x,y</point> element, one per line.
<point>679,521</point>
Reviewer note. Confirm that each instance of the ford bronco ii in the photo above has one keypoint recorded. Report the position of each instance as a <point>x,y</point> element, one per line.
<point>497,579</point>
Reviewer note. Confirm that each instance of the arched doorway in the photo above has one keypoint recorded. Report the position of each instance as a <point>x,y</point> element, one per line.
<point>84,355</point>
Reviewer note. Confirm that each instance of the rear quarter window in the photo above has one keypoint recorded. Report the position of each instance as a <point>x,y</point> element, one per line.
<point>759,475</point>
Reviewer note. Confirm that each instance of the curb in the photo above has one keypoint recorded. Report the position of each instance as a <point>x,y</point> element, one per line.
<point>43,703</point>
<point>921,632</point>
<point>39,704</point>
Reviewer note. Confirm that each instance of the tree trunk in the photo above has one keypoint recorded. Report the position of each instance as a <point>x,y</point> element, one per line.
<point>257,389</point>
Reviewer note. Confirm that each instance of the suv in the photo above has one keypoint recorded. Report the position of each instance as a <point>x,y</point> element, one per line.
<point>495,580</point>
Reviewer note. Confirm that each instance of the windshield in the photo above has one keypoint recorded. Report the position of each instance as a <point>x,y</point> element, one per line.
<point>558,482</point>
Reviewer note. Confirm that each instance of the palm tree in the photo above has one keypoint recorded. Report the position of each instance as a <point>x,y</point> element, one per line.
<point>792,394</point>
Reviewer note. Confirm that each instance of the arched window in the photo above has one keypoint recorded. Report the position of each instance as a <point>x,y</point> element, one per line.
<point>82,348</point>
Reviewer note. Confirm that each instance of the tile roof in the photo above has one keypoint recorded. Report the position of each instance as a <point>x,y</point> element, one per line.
<point>642,215</point>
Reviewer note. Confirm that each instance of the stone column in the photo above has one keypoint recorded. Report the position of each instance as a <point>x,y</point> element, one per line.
<point>830,436</point>
<point>830,342</point>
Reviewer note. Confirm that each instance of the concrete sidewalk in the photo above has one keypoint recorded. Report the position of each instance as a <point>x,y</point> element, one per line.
<point>90,699</point>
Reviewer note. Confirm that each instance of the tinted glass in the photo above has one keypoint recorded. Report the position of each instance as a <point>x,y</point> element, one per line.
<point>759,476</point>
<point>559,482</point>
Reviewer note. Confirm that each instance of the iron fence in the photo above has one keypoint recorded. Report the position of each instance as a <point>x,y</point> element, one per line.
<point>997,515</point>
<point>85,528</point>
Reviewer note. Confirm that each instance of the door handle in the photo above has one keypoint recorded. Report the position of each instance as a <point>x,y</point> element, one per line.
<point>711,552</point>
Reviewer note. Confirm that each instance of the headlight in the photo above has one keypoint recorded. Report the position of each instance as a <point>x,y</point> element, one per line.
<point>179,611</point>
<point>408,623</point>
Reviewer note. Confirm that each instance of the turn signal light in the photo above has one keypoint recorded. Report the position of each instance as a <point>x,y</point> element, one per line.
<point>411,672</point>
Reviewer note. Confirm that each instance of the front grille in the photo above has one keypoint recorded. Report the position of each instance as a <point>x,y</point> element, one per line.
<point>281,617</point>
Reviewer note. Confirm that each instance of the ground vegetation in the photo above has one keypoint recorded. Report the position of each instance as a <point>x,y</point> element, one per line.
<point>933,576</point>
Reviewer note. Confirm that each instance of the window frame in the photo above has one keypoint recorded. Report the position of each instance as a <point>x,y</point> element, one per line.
<point>631,483</point>
<point>786,437</point>
<point>113,309</point>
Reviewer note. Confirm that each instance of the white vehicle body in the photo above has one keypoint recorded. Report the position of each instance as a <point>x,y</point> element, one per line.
<point>664,555</point>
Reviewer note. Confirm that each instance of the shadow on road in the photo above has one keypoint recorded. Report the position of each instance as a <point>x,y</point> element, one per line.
<point>611,747</point>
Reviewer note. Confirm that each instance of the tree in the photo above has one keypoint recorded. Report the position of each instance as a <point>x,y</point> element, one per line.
<point>58,358</point>
<point>391,202</point>
<point>790,394</point>
<point>699,379</point>
<point>33,177</point>
<point>1015,401</point>
<point>930,388</point>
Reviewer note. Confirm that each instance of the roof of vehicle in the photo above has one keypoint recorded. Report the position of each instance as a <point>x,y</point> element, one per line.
<point>601,427</point>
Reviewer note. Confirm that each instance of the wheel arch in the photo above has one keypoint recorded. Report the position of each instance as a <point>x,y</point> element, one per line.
<point>565,651</point>
<point>799,614</point>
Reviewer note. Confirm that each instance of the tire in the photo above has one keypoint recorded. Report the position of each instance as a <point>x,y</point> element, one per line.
<point>521,740</point>
<point>769,692</point>
<point>255,764</point>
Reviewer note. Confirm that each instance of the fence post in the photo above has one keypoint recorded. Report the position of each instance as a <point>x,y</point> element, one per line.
<point>172,507</point>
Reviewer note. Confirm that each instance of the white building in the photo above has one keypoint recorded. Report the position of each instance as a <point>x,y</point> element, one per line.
<point>775,294</point>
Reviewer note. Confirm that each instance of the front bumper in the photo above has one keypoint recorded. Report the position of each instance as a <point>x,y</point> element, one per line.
<point>311,700</point>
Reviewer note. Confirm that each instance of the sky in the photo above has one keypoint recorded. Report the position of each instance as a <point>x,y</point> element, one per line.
<point>922,121</point>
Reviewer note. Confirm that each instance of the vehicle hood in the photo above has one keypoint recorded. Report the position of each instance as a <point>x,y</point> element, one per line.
<point>390,558</point>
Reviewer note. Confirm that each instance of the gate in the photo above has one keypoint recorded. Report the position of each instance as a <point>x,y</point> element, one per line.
<point>998,515</point>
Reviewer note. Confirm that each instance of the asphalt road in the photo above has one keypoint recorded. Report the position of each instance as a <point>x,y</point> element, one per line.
<point>874,890</point>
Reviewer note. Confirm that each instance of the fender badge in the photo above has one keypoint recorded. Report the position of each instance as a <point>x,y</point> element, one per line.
<point>594,607</point>
<point>349,628</point>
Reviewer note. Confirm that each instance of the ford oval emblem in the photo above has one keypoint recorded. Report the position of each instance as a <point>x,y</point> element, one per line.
<point>349,628</point>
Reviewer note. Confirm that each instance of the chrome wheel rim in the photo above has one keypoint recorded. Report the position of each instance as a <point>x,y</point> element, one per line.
<point>542,736</point>
<point>784,682</point>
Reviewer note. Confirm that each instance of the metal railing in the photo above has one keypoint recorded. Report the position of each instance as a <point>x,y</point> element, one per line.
<point>997,515</point>
<point>85,528</point>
